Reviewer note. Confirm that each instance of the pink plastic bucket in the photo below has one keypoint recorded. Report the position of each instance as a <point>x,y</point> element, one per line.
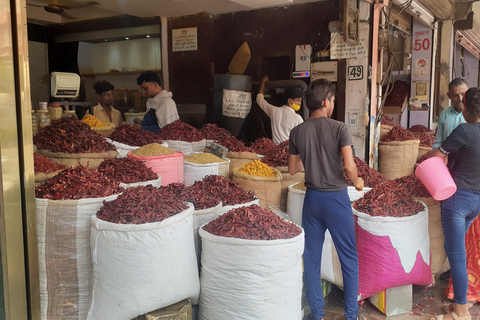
<point>435,176</point>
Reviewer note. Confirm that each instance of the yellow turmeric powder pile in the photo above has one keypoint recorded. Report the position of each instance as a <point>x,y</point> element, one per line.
<point>257,168</point>
<point>93,122</point>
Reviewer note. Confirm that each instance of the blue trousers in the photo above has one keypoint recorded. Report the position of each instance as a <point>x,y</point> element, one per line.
<point>458,213</point>
<point>330,210</point>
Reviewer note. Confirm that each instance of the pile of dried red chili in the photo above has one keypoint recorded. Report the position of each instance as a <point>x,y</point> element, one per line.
<point>263,146</point>
<point>253,223</point>
<point>423,158</point>
<point>399,133</point>
<point>414,186</point>
<point>126,170</point>
<point>234,145</point>
<point>388,199</point>
<point>228,190</point>
<point>133,136</point>
<point>275,155</point>
<point>426,140</point>
<point>201,198</point>
<point>182,131</point>
<point>78,183</point>
<point>387,121</point>
<point>370,176</point>
<point>398,94</point>
<point>140,205</point>
<point>42,164</point>
<point>419,128</point>
<point>69,135</point>
<point>214,132</point>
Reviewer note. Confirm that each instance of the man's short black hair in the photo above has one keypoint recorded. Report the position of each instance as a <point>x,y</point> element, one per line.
<point>149,76</point>
<point>457,82</point>
<point>103,86</point>
<point>318,91</point>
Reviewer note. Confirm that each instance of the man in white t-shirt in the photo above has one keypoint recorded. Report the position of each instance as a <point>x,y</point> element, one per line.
<point>283,118</point>
<point>161,109</point>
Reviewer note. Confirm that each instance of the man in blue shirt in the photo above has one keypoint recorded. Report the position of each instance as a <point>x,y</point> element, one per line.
<point>452,116</point>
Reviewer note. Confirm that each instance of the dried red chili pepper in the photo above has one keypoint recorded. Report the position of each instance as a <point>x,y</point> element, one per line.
<point>78,183</point>
<point>133,136</point>
<point>419,128</point>
<point>42,164</point>
<point>275,155</point>
<point>386,120</point>
<point>140,205</point>
<point>228,190</point>
<point>214,132</point>
<point>370,176</point>
<point>413,186</point>
<point>126,170</point>
<point>398,94</point>
<point>179,130</point>
<point>426,140</point>
<point>254,223</point>
<point>234,145</point>
<point>70,135</point>
<point>388,199</point>
<point>423,157</point>
<point>399,133</point>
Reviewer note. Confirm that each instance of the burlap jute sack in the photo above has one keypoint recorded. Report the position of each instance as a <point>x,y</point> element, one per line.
<point>267,189</point>
<point>92,160</point>
<point>435,232</point>
<point>423,150</point>
<point>397,158</point>
<point>238,159</point>
<point>42,177</point>
<point>384,129</point>
<point>288,179</point>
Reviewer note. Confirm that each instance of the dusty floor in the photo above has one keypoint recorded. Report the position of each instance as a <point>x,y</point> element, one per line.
<point>425,302</point>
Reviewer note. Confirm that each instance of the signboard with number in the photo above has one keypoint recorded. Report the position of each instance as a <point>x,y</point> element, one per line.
<point>355,72</point>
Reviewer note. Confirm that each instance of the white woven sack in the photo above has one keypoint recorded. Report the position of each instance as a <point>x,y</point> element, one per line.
<point>200,217</point>
<point>186,147</point>
<point>251,279</point>
<point>123,149</point>
<point>224,208</point>
<point>193,172</point>
<point>138,268</point>
<point>295,200</point>
<point>65,267</point>
<point>156,183</point>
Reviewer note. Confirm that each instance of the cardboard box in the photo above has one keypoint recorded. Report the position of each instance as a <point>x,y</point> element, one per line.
<point>178,311</point>
<point>393,301</point>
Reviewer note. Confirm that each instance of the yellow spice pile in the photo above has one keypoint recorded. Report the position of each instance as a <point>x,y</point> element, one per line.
<point>152,149</point>
<point>93,121</point>
<point>257,168</point>
<point>203,158</point>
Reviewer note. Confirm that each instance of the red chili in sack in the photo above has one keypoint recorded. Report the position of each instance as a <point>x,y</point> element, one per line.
<point>126,170</point>
<point>254,223</point>
<point>42,164</point>
<point>133,136</point>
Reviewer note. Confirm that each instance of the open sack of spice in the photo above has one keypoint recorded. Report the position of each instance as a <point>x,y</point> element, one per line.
<point>167,163</point>
<point>71,142</point>
<point>251,266</point>
<point>198,165</point>
<point>262,180</point>
<point>392,239</point>
<point>64,205</point>
<point>129,173</point>
<point>143,254</point>
<point>45,168</point>
<point>126,138</point>
<point>182,137</point>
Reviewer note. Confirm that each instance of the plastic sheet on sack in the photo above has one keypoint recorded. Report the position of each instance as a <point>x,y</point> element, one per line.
<point>168,167</point>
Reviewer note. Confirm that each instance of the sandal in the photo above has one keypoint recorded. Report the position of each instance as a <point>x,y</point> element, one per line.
<point>448,308</point>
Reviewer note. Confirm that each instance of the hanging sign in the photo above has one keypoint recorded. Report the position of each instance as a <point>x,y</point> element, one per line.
<point>236,104</point>
<point>184,39</point>
<point>340,49</point>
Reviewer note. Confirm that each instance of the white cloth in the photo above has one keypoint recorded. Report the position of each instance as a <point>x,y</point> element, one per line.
<point>165,108</point>
<point>283,119</point>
